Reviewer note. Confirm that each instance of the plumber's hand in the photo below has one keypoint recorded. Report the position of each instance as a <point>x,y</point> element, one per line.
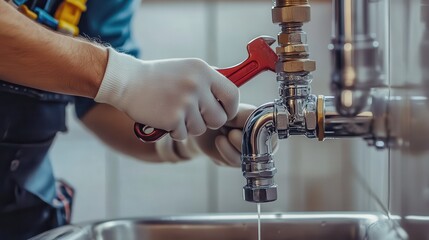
<point>181,96</point>
<point>224,145</point>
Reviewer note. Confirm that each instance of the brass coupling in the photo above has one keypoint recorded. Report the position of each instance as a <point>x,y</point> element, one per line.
<point>320,118</point>
<point>294,67</point>
<point>331,124</point>
<point>291,11</point>
<point>290,2</point>
<point>293,48</point>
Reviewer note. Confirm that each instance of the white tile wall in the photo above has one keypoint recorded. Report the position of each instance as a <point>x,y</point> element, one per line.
<point>161,189</point>
<point>172,29</point>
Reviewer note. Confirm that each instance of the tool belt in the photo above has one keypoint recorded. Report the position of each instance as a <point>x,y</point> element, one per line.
<point>59,15</point>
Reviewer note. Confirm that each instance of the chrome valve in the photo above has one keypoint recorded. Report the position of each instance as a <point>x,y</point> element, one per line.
<point>352,112</point>
<point>294,113</point>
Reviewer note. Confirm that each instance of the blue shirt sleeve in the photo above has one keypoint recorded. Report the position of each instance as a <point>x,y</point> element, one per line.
<point>107,21</point>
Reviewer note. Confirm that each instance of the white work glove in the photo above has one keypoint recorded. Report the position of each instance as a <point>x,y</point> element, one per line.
<point>181,96</point>
<point>223,146</point>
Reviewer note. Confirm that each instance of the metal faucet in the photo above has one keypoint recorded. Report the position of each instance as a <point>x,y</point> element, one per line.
<point>354,111</point>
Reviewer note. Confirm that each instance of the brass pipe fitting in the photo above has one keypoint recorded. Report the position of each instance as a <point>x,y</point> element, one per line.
<point>291,11</point>
<point>297,111</point>
<point>294,67</point>
<point>320,117</point>
<point>290,2</point>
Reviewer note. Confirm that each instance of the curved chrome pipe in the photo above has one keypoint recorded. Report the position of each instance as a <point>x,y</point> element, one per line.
<point>258,129</point>
<point>257,161</point>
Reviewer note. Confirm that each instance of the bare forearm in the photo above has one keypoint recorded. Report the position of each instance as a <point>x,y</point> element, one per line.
<point>34,56</point>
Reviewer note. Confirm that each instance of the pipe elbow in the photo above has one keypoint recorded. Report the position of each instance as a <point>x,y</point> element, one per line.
<point>257,161</point>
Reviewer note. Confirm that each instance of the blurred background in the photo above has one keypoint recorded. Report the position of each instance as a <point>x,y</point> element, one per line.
<point>334,175</point>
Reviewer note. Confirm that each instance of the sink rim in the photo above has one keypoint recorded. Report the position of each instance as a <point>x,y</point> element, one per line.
<point>250,217</point>
<point>95,228</point>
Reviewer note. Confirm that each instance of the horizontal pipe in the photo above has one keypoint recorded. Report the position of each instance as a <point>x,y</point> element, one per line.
<point>339,126</point>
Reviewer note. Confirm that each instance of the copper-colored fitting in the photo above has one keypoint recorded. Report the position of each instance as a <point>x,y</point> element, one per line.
<point>298,65</point>
<point>292,49</point>
<point>320,117</point>
<point>281,3</point>
<point>292,38</point>
<point>291,14</point>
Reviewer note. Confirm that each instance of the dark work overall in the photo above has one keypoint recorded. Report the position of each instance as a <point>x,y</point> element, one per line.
<point>29,202</point>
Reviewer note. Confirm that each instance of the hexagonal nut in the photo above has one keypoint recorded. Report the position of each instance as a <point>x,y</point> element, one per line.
<point>292,49</point>
<point>310,117</point>
<point>259,195</point>
<point>292,38</point>
<point>291,14</point>
<point>304,65</point>
<point>281,118</point>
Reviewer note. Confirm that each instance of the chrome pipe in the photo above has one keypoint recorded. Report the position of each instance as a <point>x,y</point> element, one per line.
<point>350,19</point>
<point>297,111</point>
<point>339,126</point>
<point>424,45</point>
<point>355,57</point>
<point>258,168</point>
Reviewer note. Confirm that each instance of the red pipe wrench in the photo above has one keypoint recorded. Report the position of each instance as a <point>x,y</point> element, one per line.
<point>261,58</point>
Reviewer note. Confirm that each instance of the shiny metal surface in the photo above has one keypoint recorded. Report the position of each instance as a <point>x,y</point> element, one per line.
<point>294,71</point>
<point>351,113</point>
<point>290,11</point>
<point>355,56</point>
<point>416,226</point>
<point>381,88</point>
<point>337,125</point>
<point>293,114</point>
<point>424,45</point>
<point>257,161</point>
<point>279,226</point>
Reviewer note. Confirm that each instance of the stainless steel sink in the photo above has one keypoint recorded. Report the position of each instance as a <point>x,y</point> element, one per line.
<point>236,227</point>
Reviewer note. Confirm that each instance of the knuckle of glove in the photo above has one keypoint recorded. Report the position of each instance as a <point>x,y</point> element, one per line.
<point>189,85</point>
<point>195,130</point>
<point>216,122</point>
<point>175,120</point>
<point>178,135</point>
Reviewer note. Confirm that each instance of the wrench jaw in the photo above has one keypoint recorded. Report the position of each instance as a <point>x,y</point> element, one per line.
<point>268,40</point>
<point>259,50</point>
<point>261,58</point>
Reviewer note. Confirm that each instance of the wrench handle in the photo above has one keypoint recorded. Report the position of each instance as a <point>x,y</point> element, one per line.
<point>241,73</point>
<point>148,134</point>
<point>238,74</point>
